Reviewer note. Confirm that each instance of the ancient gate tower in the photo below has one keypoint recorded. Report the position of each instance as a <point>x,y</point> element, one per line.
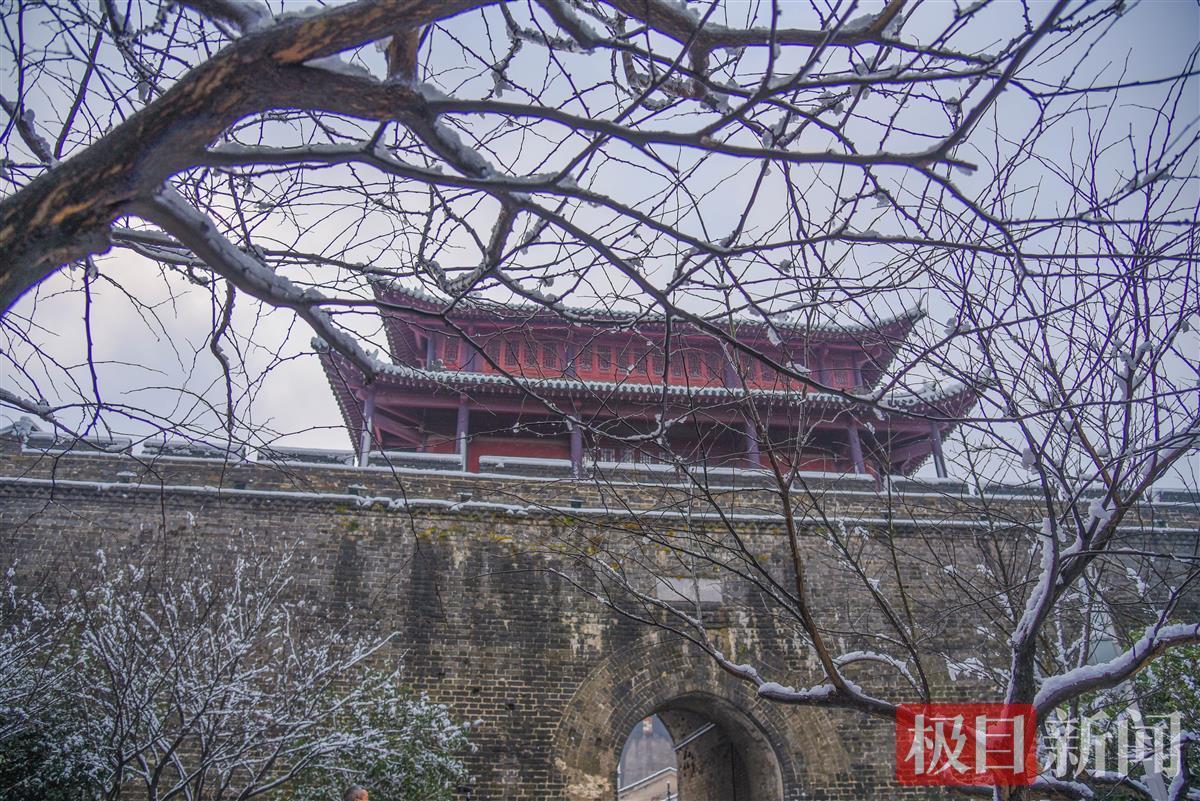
<point>492,382</point>
<point>462,518</point>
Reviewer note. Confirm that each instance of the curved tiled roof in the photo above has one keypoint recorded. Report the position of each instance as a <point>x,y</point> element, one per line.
<point>460,380</point>
<point>346,381</point>
<point>495,310</point>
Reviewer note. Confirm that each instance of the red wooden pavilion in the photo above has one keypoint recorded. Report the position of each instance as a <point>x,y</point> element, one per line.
<point>480,379</point>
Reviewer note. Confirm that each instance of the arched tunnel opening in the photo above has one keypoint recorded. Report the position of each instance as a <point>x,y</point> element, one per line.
<point>698,748</point>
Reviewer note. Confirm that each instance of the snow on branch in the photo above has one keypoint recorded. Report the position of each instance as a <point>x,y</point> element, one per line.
<point>1087,678</point>
<point>848,694</point>
<point>874,656</point>
<point>39,408</point>
<point>247,16</point>
<point>566,18</point>
<point>1042,597</point>
<point>212,674</point>
<point>788,695</point>
<point>169,210</point>
<point>24,120</point>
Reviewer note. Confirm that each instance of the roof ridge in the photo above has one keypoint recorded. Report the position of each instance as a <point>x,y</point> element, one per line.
<point>908,314</point>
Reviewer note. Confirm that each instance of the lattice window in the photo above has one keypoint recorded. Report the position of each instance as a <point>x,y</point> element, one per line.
<point>604,358</point>
<point>636,360</point>
<point>492,349</point>
<point>606,454</point>
<point>511,353</point>
<point>450,350</point>
<point>838,371</point>
<point>714,366</point>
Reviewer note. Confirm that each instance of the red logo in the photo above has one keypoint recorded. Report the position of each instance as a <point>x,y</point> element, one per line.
<point>957,744</point>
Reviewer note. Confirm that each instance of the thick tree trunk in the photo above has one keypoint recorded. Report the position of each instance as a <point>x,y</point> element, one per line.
<point>66,214</point>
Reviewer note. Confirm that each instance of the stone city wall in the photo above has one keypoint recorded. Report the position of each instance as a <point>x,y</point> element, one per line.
<point>480,577</point>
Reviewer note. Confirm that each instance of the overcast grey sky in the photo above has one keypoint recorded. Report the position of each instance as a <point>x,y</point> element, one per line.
<point>145,360</point>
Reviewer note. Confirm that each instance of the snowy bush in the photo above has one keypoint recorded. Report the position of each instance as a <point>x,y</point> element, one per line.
<point>204,686</point>
<point>40,743</point>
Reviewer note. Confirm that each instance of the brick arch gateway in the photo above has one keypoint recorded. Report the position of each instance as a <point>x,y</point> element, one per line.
<point>730,745</point>
<point>722,752</point>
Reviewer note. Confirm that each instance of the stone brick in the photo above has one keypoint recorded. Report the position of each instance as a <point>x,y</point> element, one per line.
<point>476,575</point>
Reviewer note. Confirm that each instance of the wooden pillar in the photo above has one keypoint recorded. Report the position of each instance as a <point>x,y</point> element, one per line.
<point>753,457</point>
<point>939,458</point>
<point>429,351</point>
<point>856,452</point>
<point>463,429</point>
<point>368,429</point>
<point>576,451</point>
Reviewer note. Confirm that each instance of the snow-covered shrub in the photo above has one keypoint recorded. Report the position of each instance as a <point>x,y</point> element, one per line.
<point>44,753</point>
<point>413,755</point>
<point>156,685</point>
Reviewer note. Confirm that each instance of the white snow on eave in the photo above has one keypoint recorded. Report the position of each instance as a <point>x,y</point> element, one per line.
<point>496,307</point>
<point>466,378</point>
<point>936,393</point>
<point>385,456</point>
<point>413,502</point>
<point>535,461</point>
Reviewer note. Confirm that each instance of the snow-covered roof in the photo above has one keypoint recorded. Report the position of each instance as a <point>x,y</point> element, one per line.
<point>21,427</point>
<point>472,307</point>
<point>461,379</point>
